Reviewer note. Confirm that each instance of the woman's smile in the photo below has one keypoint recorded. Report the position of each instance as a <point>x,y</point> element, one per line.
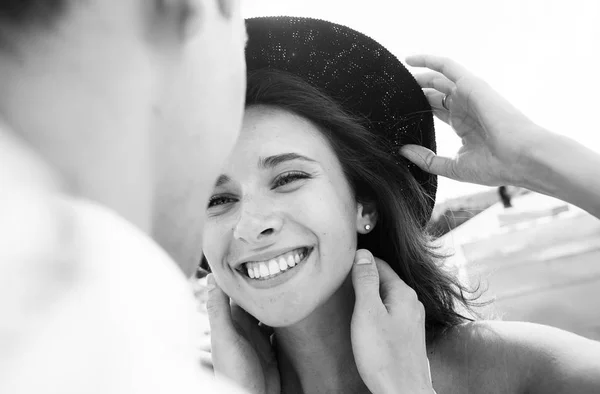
<point>275,271</point>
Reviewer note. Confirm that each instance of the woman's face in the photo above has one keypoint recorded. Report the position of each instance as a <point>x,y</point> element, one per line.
<point>284,211</point>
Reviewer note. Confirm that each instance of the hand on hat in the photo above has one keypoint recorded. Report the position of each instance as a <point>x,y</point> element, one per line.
<point>240,347</point>
<point>388,330</point>
<point>496,137</point>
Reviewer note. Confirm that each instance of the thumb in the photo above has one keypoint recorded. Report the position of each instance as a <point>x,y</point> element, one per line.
<point>428,161</point>
<point>365,279</point>
<point>218,308</point>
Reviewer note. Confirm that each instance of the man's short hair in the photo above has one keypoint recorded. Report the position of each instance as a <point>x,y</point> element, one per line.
<point>20,13</point>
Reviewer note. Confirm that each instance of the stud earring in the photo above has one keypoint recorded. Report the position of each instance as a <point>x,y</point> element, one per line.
<point>367,227</point>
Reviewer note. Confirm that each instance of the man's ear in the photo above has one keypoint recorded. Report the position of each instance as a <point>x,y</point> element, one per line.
<point>187,17</point>
<point>227,7</point>
<point>366,217</point>
<point>182,17</point>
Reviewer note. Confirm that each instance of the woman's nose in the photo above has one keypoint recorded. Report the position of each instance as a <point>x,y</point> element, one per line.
<point>255,226</point>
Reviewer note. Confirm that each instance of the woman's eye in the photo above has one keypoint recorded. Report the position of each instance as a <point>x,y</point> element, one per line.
<point>219,200</point>
<point>289,178</point>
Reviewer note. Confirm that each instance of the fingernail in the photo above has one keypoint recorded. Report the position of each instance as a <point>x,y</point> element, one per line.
<point>364,257</point>
<point>405,149</point>
<point>210,282</point>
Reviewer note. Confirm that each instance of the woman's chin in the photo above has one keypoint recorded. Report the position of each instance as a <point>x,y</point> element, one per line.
<point>281,319</point>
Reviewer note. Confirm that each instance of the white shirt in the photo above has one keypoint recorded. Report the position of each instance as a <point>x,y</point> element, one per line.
<point>88,303</point>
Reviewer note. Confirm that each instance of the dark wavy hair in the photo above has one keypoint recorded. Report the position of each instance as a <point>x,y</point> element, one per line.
<point>400,236</point>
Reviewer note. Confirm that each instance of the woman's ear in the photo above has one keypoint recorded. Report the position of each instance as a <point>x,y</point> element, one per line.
<point>366,217</point>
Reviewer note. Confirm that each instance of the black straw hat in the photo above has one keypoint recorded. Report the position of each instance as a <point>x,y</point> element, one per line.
<point>353,69</point>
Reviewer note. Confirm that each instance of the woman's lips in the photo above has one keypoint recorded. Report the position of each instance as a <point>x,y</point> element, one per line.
<point>264,270</point>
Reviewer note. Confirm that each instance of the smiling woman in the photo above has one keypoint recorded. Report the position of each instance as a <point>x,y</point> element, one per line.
<point>302,168</point>
<point>316,175</point>
<point>308,183</point>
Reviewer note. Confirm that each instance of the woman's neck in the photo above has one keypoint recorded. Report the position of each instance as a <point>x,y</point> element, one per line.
<point>315,355</point>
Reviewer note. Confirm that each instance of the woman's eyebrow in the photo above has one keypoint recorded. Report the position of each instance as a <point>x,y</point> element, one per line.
<point>267,163</point>
<point>275,160</point>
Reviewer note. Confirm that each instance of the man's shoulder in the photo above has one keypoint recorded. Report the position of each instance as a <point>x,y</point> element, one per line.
<point>81,282</point>
<point>32,220</point>
<point>53,244</point>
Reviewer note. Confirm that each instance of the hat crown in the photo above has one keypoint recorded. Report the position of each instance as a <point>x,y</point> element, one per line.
<point>359,73</point>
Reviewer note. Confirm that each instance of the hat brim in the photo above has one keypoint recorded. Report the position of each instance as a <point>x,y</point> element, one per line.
<point>356,71</point>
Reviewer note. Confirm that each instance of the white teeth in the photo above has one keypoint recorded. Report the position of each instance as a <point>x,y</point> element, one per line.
<point>264,271</point>
<point>274,267</point>
<point>282,264</point>
<point>290,261</point>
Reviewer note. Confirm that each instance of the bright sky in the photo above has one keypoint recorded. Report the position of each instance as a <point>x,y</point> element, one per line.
<point>543,55</point>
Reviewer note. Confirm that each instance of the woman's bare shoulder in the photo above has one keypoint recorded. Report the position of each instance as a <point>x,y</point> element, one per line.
<point>514,357</point>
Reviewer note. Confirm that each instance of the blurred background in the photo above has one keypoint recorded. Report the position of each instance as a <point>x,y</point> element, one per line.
<point>539,259</point>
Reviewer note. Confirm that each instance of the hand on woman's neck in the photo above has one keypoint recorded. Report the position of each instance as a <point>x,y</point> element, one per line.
<point>315,354</point>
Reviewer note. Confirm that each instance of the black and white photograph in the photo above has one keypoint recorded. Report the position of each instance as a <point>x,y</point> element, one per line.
<point>299,197</point>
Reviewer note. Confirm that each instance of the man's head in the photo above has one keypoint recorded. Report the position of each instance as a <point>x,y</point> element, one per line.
<point>135,102</point>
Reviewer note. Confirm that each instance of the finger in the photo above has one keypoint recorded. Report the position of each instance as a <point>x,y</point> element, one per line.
<point>217,306</point>
<point>204,345</point>
<point>249,324</point>
<point>245,322</point>
<point>206,361</point>
<point>266,330</point>
<point>448,67</point>
<point>396,295</point>
<point>202,282</point>
<point>365,279</point>
<point>201,273</point>
<point>240,315</point>
<point>435,100</point>
<point>437,81</point>
<point>392,288</point>
<point>428,161</point>
<point>243,318</point>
